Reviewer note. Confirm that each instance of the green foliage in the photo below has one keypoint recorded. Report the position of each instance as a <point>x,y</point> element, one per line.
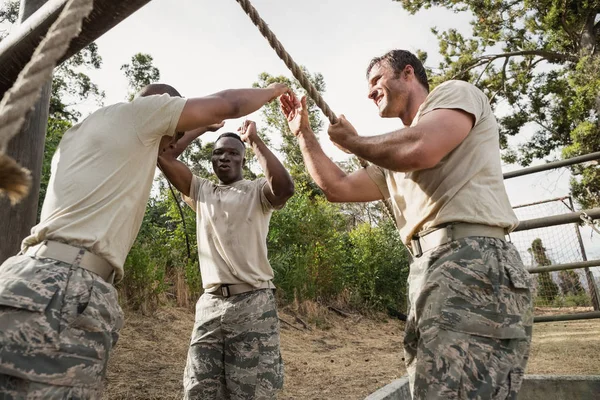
<point>540,60</point>
<point>276,125</point>
<point>547,290</point>
<point>570,283</point>
<point>307,246</point>
<point>315,256</point>
<point>378,269</point>
<point>141,72</point>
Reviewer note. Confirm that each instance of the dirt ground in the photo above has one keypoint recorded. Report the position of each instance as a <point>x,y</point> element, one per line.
<point>338,358</point>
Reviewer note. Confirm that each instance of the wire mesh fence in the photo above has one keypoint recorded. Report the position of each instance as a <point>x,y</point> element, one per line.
<point>557,291</point>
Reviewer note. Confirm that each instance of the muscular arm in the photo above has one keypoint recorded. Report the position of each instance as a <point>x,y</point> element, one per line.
<point>280,186</point>
<point>335,183</point>
<point>228,104</point>
<point>410,149</point>
<point>176,172</point>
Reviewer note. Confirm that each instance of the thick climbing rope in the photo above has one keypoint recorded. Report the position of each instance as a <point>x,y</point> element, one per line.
<point>16,103</point>
<point>298,74</point>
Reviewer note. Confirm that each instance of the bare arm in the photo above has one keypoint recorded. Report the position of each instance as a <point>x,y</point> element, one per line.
<point>177,172</point>
<point>410,149</point>
<point>280,186</point>
<point>335,183</point>
<point>233,103</point>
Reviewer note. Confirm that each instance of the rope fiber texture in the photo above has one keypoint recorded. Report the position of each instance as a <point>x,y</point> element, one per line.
<point>15,181</point>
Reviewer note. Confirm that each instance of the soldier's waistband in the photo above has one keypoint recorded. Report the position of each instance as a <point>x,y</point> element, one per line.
<point>238,288</point>
<point>76,256</point>
<point>434,237</point>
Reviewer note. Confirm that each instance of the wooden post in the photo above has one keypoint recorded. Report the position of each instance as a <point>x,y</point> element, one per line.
<point>27,148</point>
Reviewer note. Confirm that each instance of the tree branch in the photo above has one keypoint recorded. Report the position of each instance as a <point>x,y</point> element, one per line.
<point>483,72</point>
<point>548,55</point>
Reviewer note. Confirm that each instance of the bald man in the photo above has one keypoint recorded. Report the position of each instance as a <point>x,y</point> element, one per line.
<point>59,312</point>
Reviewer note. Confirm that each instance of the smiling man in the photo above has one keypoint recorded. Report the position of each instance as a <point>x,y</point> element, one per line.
<point>234,351</point>
<point>469,328</point>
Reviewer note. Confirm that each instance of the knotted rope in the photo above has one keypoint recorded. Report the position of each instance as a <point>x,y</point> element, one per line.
<point>298,74</point>
<point>15,181</point>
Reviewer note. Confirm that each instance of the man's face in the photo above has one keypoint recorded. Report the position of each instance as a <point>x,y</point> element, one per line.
<point>390,93</point>
<point>228,159</point>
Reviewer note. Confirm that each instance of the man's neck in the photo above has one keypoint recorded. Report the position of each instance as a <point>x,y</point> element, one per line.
<point>417,98</point>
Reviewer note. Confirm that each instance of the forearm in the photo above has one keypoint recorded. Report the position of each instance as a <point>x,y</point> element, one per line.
<point>278,177</point>
<point>245,101</point>
<point>321,168</point>
<point>179,147</point>
<point>176,172</point>
<point>397,151</point>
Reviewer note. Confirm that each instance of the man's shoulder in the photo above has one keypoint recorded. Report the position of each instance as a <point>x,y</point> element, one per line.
<point>457,86</point>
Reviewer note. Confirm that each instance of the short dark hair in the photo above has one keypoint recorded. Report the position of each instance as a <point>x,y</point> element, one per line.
<point>231,135</point>
<point>158,89</point>
<point>398,60</point>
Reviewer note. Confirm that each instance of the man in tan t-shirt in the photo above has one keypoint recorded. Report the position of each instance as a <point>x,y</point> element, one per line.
<point>234,351</point>
<point>59,314</point>
<point>469,327</point>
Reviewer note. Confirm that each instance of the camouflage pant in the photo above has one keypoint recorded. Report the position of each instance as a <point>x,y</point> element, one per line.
<point>234,351</point>
<point>469,328</point>
<point>59,323</point>
<point>12,388</point>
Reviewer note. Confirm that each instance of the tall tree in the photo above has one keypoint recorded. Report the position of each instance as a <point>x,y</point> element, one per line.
<point>140,72</point>
<point>547,289</point>
<point>277,126</point>
<point>539,59</point>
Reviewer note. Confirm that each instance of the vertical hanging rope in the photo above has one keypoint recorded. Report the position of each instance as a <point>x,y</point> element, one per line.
<point>16,103</point>
<point>298,74</point>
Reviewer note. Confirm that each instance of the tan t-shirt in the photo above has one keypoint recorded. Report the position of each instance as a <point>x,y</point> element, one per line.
<point>101,177</point>
<point>467,184</point>
<point>232,223</point>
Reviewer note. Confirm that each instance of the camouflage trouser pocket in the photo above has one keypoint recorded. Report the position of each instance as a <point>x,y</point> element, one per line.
<point>90,316</point>
<point>59,322</point>
<point>27,294</point>
<point>479,291</point>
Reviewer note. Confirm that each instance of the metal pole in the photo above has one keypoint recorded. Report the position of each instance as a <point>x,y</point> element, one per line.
<point>27,148</point>
<point>567,317</point>
<point>553,165</point>
<point>588,274</point>
<point>540,202</point>
<point>565,267</point>
<point>562,219</point>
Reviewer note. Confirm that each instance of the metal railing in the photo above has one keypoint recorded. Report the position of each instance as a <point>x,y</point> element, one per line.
<point>572,217</point>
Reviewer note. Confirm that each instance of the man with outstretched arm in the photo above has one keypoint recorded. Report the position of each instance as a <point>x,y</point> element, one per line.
<point>59,313</point>
<point>234,350</point>
<point>469,327</point>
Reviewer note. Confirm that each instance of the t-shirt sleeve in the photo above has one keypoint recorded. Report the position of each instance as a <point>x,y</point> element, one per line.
<point>456,95</point>
<point>156,116</point>
<point>195,188</point>
<point>377,175</point>
<point>264,201</point>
